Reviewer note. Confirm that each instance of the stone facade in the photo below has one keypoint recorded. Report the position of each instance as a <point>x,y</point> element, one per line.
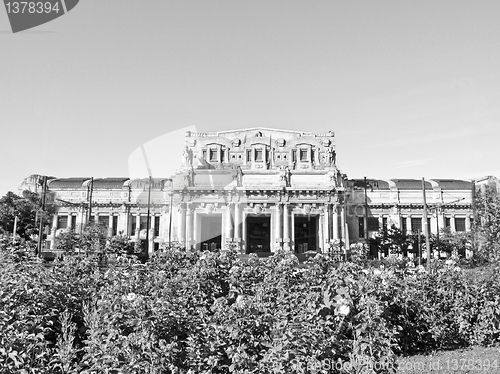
<point>258,189</point>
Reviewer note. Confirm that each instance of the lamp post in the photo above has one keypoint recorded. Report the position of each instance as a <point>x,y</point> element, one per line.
<point>40,227</point>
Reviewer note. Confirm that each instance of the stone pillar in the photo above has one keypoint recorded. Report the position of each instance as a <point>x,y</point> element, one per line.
<point>53,231</point>
<point>189,227</point>
<point>408,224</point>
<point>181,228</point>
<point>467,223</point>
<point>228,227</point>
<point>321,231</point>
<point>137,226</point>
<point>343,233</point>
<point>196,230</point>
<point>70,216</point>
<point>326,229</point>
<point>237,221</point>
<point>151,233</point>
<point>277,225</point>
<point>335,222</point>
<point>452,223</point>
<point>286,227</point>
<point>110,226</point>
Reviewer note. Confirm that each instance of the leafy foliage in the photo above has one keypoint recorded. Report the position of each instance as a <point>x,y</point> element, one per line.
<point>27,209</point>
<point>186,311</point>
<point>487,225</point>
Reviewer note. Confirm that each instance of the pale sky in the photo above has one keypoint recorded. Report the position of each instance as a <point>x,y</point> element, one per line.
<point>410,88</point>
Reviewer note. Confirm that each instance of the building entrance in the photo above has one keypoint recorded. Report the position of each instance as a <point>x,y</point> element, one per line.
<point>306,233</point>
<point>211,232</point>
<point>259,234</point>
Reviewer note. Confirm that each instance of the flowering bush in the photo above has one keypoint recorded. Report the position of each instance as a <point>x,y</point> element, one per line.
<point>210,312</point>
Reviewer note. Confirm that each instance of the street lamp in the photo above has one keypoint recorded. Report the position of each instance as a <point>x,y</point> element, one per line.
<point>43,183</point>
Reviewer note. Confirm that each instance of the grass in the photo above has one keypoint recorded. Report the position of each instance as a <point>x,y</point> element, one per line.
<point>468,360</point>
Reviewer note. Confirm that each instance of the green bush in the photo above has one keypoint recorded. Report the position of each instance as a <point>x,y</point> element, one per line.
<point>209,312</point>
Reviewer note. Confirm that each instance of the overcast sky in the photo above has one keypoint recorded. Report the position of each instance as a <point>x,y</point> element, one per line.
<point>410,88</point>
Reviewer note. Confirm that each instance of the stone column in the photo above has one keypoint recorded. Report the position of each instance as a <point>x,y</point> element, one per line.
<point>53,231</point>
<point>151,233</point>
<point>237,221</point>
<point>110,226</point>
<point>228,230</point>
<point>137,226</point>
<point>467,223</point>
<point>335,222</point>
<point>189,227</point>
<point>452,223</point>
<point>69,226</point>
<point>277,224</point>
<point>321,230</point>
<point>326,229</point>
<point>408,224</point>
<point>181,228</point>
<point>196,230</point>
<point>286,227</point>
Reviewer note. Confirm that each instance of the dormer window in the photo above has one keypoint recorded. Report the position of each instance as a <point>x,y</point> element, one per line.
<point>258,155</point>
<point>303,155</point>
<point>213,155</point>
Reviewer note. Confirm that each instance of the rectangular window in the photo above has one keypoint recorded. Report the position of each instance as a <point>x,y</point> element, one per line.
<point>294,155</point>
<point>103,221</point>
<point>249,155</point>
<point>303,155</point>
<point>471,222</point>
<point>133,225</point>
<point>361,227</point>
<point>115,225</point>
<point>404,226</point>
<point>144,222</point>
<point>223,155</point>
<point>384,223</point>
<point>204,154</point>
<point>373,224</point>
<point>213,155</point>
<point>62,222</point>
<point>459,224</point>
<point>447,222</point>
<point>73,222</point>
<point>258,155</point>
<point>416,224</point>
<point>157,226</point>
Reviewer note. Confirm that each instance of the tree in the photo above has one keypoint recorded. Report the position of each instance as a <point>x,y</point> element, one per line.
<point>486,227</point>
<point>393,241</point>
<point>27,209</point>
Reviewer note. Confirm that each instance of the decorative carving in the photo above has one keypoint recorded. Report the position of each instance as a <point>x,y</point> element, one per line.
<point>280,142</point>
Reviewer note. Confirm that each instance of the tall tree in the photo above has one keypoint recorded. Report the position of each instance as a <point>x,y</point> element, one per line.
<point>487,225</point>
<point>27,209</point>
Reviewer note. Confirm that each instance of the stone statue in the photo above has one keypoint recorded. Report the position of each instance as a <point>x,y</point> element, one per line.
<point>330,156</point>
<point>187,156</point>
<point>239,177</point>
<point>287,176</point>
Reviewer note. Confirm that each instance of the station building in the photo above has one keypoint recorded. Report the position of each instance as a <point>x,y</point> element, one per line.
<point>258,189</point>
